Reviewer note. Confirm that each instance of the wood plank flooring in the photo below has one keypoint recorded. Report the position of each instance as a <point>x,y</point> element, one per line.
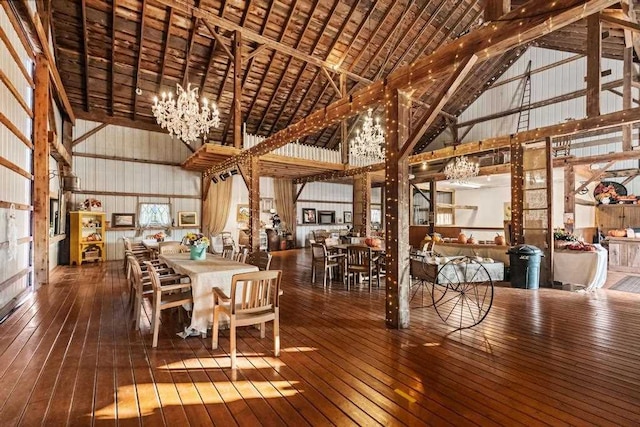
<point>69,356</point>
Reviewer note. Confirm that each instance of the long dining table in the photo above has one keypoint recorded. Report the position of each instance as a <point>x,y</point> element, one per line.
<point>212,272</point>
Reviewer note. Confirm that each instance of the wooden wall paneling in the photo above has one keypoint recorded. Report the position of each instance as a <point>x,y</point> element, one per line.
<point>396,216</point>
<point>41,173</point>
<point>594,53</point>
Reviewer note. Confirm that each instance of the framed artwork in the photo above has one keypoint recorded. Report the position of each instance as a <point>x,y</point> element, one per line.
<point>186,219</point>
<point>266,204</point>
<point>347,217</point>
<point>123,220</point>
<point>243,213</point>
<point>308,216</point>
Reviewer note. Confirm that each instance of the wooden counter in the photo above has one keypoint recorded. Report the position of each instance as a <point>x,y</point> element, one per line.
<point>624,254</point>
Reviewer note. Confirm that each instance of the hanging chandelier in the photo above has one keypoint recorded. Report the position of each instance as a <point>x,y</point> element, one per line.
<point>183,116</point>
<point>370,141</point>
<point>461,169</point>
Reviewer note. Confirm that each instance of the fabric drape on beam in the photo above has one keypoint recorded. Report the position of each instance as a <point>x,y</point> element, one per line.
<point>215,209</point>
<point>283,189</point>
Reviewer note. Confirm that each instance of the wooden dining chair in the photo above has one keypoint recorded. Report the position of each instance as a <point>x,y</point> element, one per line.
<point>138,250</point>
<point>241,255</point>
<point>165,296</point>
<point>321,259</point>
<point>260,259</point>
<point>141,283</point>
<point>228,251</point>
<point>361,261</point>
<point>254,300</point>
<point>170,248</point>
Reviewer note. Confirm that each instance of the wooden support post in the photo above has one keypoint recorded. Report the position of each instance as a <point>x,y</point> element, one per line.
<point>548,259</point>
<point>627,77</point>
<point>41,154</point>
<point>396,186</point>
<point>344,131</point>
<point>494,9</point>
<point>237,90</point>
<point>433,203</point>
<point>254,203</point>
<point>594,53</point>
<point>362,203</point>
<point>569,197</point>
<point>517,181</point>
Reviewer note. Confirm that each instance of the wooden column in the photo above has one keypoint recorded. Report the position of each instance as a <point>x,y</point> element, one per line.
<point>594,53</point>
<point>362,203</point>
<point>41,173</point>
<point>254,203</point>
<point>569,196</point>
<point>627,76</point>
<point>344,131</point>
<point>494,9</point>
<point>547,261</point>
<point>237,90</point>
<point>398,283</point>
<point>433,203</point>
<point>516,192</point>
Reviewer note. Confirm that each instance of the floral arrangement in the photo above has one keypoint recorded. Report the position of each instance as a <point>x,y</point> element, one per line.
<point>91,205</point>
<point>562,234</point>
<point>159,235</point>
<point>195,239</point>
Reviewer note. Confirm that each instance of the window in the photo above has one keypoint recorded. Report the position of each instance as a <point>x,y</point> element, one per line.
<point>154,215</point>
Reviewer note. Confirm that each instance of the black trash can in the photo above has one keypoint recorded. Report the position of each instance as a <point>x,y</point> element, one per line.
<point>524,263</point>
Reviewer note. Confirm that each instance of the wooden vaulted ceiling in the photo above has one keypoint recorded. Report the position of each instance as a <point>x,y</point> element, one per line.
<point>106,49</point>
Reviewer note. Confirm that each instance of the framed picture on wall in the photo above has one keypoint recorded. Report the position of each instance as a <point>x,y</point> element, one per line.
<point>123,220</point>
<point>266,204</point>
<point>347,217</point>
<point>186,219</point>
<point>243,213</point>
<point>308,216</point>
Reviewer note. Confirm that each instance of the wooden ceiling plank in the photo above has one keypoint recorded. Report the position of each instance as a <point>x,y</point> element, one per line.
<point>255,37</point>
<point>305,65</point>
<point>85,51</point>
<point>114,16</point>
<point>139,62</point>
<point>264,76</point>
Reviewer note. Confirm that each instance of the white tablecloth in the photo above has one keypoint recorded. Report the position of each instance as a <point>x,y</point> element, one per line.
<point>581,268</point>
<point>205,275</point>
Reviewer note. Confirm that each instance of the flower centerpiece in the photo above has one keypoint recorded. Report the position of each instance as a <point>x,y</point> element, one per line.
<point>198,244</point>
<point>562,237</point>
<point>159,236</point>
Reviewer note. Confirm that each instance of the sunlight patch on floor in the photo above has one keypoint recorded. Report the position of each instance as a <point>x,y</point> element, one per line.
<point>223,361</point>
<point>147,396</point>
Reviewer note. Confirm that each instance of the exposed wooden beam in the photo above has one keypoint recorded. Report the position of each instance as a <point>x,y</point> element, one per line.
<point>41,155</point>
<point>237,90</point>
<point>250,35</point>
<point>333,84</point>
<point>221,41</point>
<point>516,29</point>
<point>139,64</point>
<point>85,52</point>
<point>126,159</point>
<point>295,199</point>
<point>114,17</point>
<point>164,49</point>
<point>494,9</point>
<point>630,178</point>
<point>627,76</point>
<point>594,53</point>
<point>594,177</point>
<point>538,70</point>
<point>258,50</point>
<point>192,35</point>
<point>620,23</point>
<point>451,85</point>
<point>88,134</point>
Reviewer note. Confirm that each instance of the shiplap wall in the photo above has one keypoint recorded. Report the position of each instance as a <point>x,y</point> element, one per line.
<point>106,175</point>
<point>14,188</point>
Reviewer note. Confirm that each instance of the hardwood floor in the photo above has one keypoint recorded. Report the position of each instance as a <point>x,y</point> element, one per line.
<point>69,356</point>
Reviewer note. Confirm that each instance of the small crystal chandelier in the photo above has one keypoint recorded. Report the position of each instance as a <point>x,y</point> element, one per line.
<point>370,142</point>
<point>182,116</point>
<point>460,169</point>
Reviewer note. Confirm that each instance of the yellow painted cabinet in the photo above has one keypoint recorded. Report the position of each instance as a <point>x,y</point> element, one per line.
<point>87,237</point>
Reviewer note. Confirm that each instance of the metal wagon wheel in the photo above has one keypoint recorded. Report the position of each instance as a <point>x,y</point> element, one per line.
<point>423,279</point>
<point>462,293</point>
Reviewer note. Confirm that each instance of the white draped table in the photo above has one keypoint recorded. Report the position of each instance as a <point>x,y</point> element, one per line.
<point>205,275</point>
<point>588,269</point>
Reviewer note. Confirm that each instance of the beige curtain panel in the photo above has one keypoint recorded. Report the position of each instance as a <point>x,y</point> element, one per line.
<point>216,208</point>
<point>284,202</point>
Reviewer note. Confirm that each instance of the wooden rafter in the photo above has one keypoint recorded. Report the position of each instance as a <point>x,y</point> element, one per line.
<point>594,53</point>
<point>594,177</point>
<point>221,41</point>
<point>255,37</point>
<point>85,52</point>
<point>304,66</point>
<point>259,49</point>
<point>112,87</point>
<point>88,134</point>
<point>494,9</point>
<point>164,49</point>
<point>139,65</point>
<point>192,35</point>
<point>518,27</point>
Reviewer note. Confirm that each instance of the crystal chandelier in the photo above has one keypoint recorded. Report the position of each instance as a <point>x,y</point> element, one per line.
<point>460,169</point>
<point>370,141</point>
<point>183,116</point>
